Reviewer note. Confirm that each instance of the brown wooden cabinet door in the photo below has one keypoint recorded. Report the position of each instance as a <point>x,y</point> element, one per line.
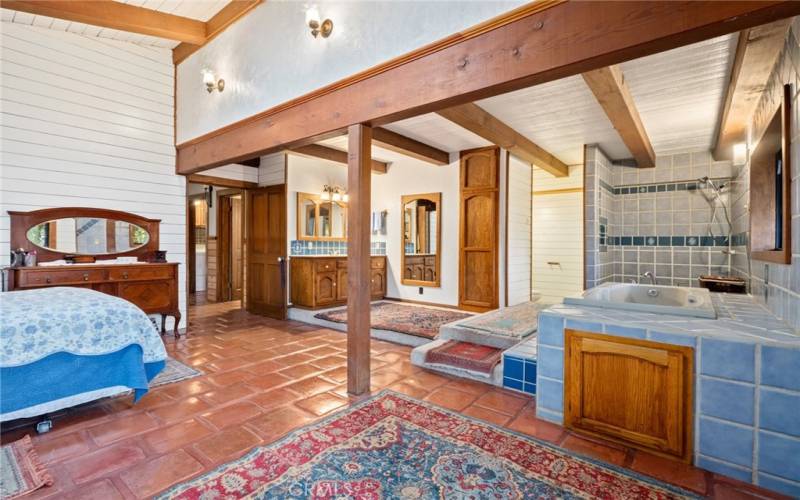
<point>634,391</point>
<point>325,287</point>
<point>377,283</point>
<point>266,251</point>
<point>479,230</point>
<point>149,296</point>
<point>341,277</point>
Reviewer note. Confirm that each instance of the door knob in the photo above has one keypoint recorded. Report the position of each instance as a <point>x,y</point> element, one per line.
<point>85,276</point>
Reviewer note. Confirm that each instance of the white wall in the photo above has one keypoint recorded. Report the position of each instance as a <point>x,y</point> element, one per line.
<point>269,56</point>
<point>519,231</point>
<point>557,235</point>
<point>405,176</point>
<point>88,122</point>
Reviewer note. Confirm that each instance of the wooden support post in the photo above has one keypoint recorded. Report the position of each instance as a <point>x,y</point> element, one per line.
<point>359,168</point>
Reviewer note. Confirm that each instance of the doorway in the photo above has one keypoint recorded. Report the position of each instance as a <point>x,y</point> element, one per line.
<point>198,241</point>
<point>230,246</point>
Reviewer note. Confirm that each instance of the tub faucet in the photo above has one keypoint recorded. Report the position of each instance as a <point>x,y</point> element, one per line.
<point>650,276</point>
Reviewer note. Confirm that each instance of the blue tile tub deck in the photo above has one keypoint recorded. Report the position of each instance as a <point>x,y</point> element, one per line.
<point>626,331</point>
<point>726,359</point>
<point>780,367</point>
<point>551,330</point>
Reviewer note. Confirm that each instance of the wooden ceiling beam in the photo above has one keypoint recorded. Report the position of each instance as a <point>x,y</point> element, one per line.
<point>756,53</point>
<point>536,43</point>
<point>116,15</point>
<point>609,87</point>
<point>228,15</point>
<point>475,119</point>
<point>220,181</point>
<point>398,143</point>
<point>334,155</point>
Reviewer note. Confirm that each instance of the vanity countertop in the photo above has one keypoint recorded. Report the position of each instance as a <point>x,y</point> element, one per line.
<point>739,317</point>
<point>327,256</point>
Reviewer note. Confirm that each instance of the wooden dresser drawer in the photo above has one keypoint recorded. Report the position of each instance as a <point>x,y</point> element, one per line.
<point>378,262</point>
<point>325,265</point>
<point>61,277</point>
<point>140,273</point>
<point>430,261</point>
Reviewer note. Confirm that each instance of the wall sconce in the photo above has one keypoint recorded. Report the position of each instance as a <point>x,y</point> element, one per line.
<point>312,18</point>
<point>211,81</point>
<point>739,154</point>
<point>334,193</point>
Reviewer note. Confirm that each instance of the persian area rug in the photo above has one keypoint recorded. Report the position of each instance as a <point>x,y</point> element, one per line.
<point>411,320</point>
<point>174,371</point>
<point>21,472</point>
<point>516,322</point>
<point>465,355</point>
<point>393,446</point>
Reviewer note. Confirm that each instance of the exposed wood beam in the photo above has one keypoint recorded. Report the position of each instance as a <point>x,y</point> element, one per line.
<point>398,143</point>
<point>335,155</point>
<point>552,40</point>
<point>609,87</point>
<point>757,50</point>
<point>116,15</point>
<point>220,181</point>
<point>475,119</point>
<point>228,15</point>
<point>359,145</point>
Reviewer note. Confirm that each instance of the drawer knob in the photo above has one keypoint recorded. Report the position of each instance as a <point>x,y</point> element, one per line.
<point>124,276</point>
<point>48,280</point>
<point>85,276</point>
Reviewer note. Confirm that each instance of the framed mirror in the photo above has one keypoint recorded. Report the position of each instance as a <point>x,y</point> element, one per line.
<point>421,239</point>
<point>320,220</point>
<point>770,188</point>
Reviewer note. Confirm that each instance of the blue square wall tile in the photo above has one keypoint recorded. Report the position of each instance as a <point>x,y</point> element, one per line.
<point>529,388</point>
<point>551,330</point>
<point>551,362</point>
<point>780,367</point>
<point>790,488</point>
<point>550,395</point>
<point>626,331</point>
<point>728,400</point>
<point>587,326</point>
<point>530,372</point>
<point>733,360</point>
<point>780,412</point>
<point>727,442</point>
<point>513,368</point>
<point>724,469</point>
<point>512,384</point>
<point>779,455</point>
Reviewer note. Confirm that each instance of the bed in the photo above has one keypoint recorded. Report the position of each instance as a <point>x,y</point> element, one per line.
<point>64,346</point>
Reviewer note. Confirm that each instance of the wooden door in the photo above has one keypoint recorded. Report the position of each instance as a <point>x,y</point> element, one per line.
<point>237,247</point>
<point>325,288</point>
<point>224,243</point>
<point>637,392</point>
<point>479,229</point>
<point>266,251</point>
<point>377,281</point>
<point>341,284</point>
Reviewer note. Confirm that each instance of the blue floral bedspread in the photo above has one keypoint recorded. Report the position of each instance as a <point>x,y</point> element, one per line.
<point>37,323</point>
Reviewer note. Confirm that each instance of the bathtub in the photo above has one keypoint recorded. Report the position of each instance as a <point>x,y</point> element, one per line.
<point>675,300</point>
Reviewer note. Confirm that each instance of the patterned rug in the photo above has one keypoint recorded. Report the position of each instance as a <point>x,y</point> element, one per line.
<point>517,321</point>
<point>393,446</point>
<point>412,320</point>
<point>465,355</point>
<point>21,472</point>
<point>174,371</point>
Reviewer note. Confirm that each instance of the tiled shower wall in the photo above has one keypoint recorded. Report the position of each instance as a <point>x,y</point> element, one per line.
<point>776,285</point>
<point>656,219</point>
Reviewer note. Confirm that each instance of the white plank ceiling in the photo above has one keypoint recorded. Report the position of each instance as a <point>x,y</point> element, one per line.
<point>678,94</point>
<point>202,10</point>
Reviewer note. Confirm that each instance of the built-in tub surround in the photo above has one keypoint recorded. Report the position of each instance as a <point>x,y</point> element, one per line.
<point>747,381</point>
<point>656,299</point>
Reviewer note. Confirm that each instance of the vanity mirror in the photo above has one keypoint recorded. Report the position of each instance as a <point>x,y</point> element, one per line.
<point>421,247</point>
<point>320,220</point>
<point>770,188</point>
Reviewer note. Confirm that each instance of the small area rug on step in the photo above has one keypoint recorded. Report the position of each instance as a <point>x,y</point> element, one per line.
<point>174,371</point>
<point>21,472</point>
<point>394,446</point>
<point>465,355</point>
<point>517,321</point>
<point>411,320</point>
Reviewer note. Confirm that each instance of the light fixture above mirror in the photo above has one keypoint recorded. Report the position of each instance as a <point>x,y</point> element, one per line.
<point>334,193</point>
<point>318,27</point>
<point>211,81</point>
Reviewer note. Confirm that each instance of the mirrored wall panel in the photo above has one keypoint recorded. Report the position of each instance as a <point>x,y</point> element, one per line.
<point>421,239</point>
<point>88,236</point>
<point>320,220</point>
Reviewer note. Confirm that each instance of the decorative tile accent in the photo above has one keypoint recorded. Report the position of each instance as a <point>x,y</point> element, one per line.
<point>519,373</point>
<point>333,248</point>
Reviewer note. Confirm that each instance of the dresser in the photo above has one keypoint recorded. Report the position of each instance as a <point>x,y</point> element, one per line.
<point>318,282</point>
<point>153,287</point>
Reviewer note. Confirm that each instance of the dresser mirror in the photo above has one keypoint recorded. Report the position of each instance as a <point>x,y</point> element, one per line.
<point>421,239</point>
<point>320,220</point>
<point>88,235</point>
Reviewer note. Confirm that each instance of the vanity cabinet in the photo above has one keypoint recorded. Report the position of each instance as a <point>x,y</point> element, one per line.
<point>635,392</point>
<point>318,282</point>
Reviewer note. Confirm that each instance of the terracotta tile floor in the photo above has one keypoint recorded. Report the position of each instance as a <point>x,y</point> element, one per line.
<point>264,378</point>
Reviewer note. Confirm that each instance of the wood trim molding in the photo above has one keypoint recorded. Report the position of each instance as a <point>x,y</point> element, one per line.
<point>398,143</point>
<point>334,155</point>
<point>228,15</point>
<point>557,191</point>
<point>609,87</point>
<point>116,15</point>
<point>757,50</point>
<point>537,43</point>
<point>220,181</point>
<point>472,117</point>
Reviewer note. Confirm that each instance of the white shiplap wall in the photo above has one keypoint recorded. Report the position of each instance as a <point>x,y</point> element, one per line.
<point>88,122</point>
<point>519,231</point>
<point>272,170</point>
<point>557,235</point>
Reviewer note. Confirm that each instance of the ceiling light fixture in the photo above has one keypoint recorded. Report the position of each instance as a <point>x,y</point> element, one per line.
<point>318,28</point>
<point>739,154</point>
<point>211,81</point>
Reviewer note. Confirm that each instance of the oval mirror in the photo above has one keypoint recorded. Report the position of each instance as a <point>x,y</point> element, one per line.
<point>88,236</point>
